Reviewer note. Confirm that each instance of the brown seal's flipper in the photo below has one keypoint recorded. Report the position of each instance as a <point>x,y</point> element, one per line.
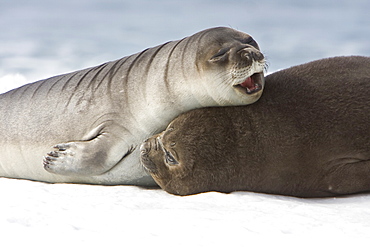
<point>347,178</point>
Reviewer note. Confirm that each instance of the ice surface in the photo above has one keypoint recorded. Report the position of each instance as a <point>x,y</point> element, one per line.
<point>42,38</point>
<point>34,212</point>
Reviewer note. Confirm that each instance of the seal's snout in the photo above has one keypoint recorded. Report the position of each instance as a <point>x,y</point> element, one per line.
<point>145,147</point>
<point>251,54</point>
<point>145,159</point>
<point>248,71</point>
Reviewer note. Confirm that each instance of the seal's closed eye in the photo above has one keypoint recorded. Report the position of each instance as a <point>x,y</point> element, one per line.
<point>220,55</point>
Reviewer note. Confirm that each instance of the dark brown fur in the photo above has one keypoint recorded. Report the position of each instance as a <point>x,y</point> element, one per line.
<point>307,136</point>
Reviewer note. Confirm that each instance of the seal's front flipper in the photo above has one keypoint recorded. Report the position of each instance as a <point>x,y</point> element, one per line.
<point>86,158</point>
<point>348,178</point>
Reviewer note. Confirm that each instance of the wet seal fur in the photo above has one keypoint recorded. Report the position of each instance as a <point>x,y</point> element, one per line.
<point>88,124</point>
<point>307,136</point>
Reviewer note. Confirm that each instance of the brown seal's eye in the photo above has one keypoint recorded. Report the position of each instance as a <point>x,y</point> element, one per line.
<point>170,160</point>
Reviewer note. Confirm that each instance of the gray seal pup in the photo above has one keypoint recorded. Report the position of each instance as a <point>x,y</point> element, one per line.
<point>88,125</point>
<point>307,136</point>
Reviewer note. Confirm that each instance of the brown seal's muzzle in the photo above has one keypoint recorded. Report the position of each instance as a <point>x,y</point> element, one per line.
<point>145,149</point>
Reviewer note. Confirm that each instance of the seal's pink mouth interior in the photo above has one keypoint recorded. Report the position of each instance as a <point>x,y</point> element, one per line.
<point>248,83</point>
<point>251,84</point>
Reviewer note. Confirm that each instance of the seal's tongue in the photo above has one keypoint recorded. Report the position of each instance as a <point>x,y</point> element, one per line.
<point>249,84</point>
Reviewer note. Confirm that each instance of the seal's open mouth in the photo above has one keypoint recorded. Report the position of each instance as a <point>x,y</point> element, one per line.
<point>252,84</point>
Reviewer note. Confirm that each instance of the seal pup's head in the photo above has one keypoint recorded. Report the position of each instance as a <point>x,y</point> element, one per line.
<point>165,164</point>
<point>229,64</point>
<point>189,156</point>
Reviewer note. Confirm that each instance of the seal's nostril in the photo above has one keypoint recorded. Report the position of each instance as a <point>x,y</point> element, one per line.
<point>247,57</point>
<point>145,147</point>
<point>258,56</point>
<point>252,55</point>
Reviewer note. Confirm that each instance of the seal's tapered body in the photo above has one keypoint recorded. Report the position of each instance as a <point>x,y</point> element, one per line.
<point>85,126</point>
<point>307,136</point>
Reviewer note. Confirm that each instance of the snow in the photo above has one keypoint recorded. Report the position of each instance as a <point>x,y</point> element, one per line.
<point>63,214</point>
<point>43,38</point>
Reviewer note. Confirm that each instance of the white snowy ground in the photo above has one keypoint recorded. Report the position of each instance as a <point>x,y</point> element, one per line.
<point>41,38</point>
<point>70,214</point>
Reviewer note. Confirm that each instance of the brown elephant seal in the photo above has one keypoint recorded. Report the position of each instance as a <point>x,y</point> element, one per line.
<point>307,136</point>
<point>89,124</point>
